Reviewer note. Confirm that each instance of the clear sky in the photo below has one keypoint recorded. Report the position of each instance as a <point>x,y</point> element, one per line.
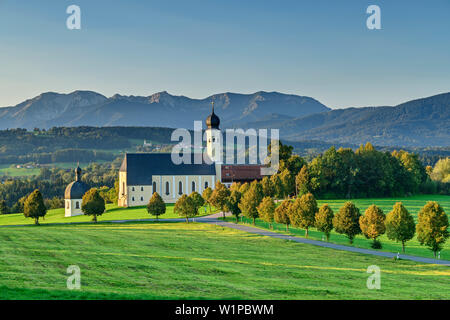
<point>318,48</point>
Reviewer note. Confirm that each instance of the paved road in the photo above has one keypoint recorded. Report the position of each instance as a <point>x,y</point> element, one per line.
<point>213,219</point>
<point>320,243</point>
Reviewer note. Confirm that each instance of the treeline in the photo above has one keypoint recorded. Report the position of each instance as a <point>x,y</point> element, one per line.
<point>58,143</point>
<point>64,155</point>
<point>363,173</point>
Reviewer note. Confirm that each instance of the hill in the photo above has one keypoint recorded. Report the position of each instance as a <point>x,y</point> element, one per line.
<point>422,122</point>
<point>87,108</point>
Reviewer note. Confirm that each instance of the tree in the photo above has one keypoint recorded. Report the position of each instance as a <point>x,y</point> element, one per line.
<point>93,204</point>
<point>324,220</point>
<point>34,206</point>
<point>432,226</point>
<point>400,225</point>
<point>235,186</point>
<point>346,221</point>
<point>288,182</point>
<point>277,186</point>
<point>303,212</point>
<point>372,224</point>
<point>441,171</point>
<point>302,182</point>
<point>244,188</point>
<point>185,207</point>
<point>281,214</point>
<point>3,207</point>
<point>266,210</point>
<point>197,200</point>
<point>267,187</point>
<point>206,196</point>
<point>233,204</point>
<point>251,200</point>
<point>156,205</point>
<point>219,197</point>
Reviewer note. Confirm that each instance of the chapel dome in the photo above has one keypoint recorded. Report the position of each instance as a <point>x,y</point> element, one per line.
<point>77,188</point>
<point>212,121</point>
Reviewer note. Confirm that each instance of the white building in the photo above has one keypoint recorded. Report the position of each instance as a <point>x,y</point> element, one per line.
<point>74,194</point>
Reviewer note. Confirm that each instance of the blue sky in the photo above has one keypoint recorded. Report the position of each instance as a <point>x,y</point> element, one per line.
<point>319,48</point>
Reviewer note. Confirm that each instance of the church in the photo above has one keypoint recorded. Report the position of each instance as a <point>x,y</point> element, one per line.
<point>142,174</point>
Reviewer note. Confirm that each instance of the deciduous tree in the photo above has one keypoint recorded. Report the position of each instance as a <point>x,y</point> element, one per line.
<point>281,214</point>
<point>303,211</point>
<point>156,205</point>
<point>93,204</point>
<point>34,206</point>
<point>266,210</point>
<point>346,221</point>
<point>432,226</point>
<point>372,224</point>
<point>400,225</point>
<point>251,200</point>
<point>207,195</point>
<point>219,197</point>
<point>324,220</point>
<point>185,207</point>
<point>233,204</point>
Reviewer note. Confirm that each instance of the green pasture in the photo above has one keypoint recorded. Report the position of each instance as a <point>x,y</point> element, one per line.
<point>413,204</point>
<point>196,261</point>
<point>113,212</point>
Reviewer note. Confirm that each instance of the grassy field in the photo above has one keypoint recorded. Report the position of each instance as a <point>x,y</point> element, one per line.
<point>413,204</point>
<point>112,213</point>
<point>6,170</point>
<point>196,261</point>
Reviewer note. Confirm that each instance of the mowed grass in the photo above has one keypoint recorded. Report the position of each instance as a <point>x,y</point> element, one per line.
<point>196,261</point>
<point>413,204</point>
<point>113,212</point>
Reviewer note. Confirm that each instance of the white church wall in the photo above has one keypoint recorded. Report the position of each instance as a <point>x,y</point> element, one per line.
<point>72,207</point>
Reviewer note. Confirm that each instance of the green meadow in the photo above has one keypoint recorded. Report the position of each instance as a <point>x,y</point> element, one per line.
<point>413,204</point>
<point>196,261</point>
<point>112,212</point>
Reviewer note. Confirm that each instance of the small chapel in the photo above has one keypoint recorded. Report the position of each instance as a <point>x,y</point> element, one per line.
<point>74,194</point>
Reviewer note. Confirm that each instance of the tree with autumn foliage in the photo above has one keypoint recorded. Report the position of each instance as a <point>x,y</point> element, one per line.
<point>432,226</point>
<point>266,210</point>
<point>303,212</point>
<point>156,206</point>
<point>251,200</point>
<point>34,206</point>
<point>219,197</point>
<point>324,220</point>
<point>281,214</point>
<point>206,196</point>
<point>232,204</point>
<point>400,225</point>
<point>372,224</point>
<point>346,221</point>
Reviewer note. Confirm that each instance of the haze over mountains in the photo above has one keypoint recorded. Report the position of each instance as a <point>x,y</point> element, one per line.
<point>422,122</point>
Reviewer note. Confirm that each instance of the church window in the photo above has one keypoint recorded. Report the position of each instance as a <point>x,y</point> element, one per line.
<point>142,188</point>
<point>77,205</point>
<point>142,198</point>
<point>132,198</point>
<point>154,187</point>
<point>167,188</point>
<point>132,189</point>
<point>206,184</point>
<point>180,187</point>
<point>193,186</point>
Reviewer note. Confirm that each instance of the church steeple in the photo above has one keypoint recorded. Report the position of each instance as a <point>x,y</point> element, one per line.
<point>213,121</point>
<point>78,173</point>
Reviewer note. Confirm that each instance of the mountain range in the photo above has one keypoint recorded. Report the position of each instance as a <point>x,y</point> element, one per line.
<point>422,122</point>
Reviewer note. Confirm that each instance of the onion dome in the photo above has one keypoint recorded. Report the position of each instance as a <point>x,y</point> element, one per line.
<point>213,121</point>
<point>77,188</point>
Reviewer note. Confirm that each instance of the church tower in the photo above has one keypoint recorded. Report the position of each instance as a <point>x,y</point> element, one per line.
<point>213,137</point>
